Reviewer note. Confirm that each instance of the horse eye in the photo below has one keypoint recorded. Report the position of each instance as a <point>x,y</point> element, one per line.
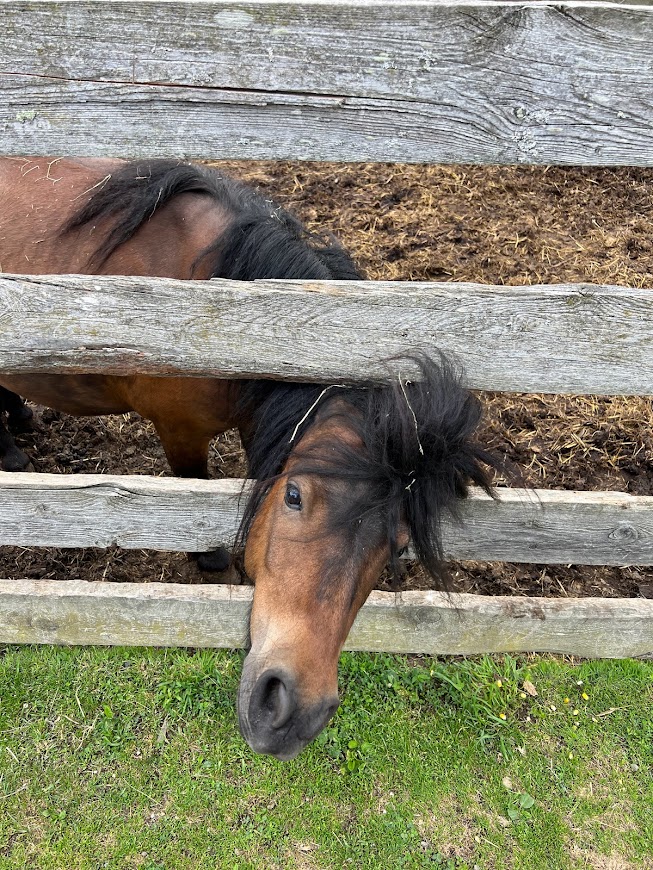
<point>293,497</point>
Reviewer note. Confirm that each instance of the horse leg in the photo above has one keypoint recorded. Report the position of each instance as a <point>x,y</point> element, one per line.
<point>12,458</point>
<point>19,415</point>
<point>187,451</point>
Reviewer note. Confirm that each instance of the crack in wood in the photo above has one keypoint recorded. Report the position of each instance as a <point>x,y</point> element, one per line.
<point>136,83</point>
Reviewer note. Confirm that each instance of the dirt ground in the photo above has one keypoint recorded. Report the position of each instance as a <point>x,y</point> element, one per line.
<point>496,225</point>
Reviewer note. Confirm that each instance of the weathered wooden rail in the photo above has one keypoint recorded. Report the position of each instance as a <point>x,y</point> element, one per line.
<point>574,338</point>
<point>160,513</point>
<point>422,81</point>
<point>426,81</point>
<point>156,614</point>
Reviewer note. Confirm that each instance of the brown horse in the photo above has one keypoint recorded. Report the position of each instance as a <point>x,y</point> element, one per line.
<point>344,477</point>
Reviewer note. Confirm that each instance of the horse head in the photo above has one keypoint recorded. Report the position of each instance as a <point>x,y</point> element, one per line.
<point>344,478</point>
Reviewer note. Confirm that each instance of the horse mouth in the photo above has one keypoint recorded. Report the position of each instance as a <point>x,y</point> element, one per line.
<point>272,721</point>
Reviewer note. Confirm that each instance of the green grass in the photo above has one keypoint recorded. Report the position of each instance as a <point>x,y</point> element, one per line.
<point>115,758</point>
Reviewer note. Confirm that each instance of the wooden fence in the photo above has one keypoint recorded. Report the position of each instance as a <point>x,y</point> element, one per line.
<point>488,82</point>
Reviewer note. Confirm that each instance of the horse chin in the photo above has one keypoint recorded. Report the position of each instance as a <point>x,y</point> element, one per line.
<point>272,719</point>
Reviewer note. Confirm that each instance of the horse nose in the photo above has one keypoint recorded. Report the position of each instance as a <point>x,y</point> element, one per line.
<point>273,699</point>
<point>276,723</point>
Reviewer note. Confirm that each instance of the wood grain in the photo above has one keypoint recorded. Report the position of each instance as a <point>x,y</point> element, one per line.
<point>573,338</point>
<point>139,512</point>
<point>155,614</point>
<point>475,82</point>
<point>130,511</point>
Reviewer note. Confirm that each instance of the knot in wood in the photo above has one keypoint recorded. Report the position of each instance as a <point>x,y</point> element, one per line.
<point>624,533</point>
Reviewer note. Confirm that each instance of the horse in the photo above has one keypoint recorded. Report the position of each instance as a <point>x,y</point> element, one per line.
<point>343,477</point>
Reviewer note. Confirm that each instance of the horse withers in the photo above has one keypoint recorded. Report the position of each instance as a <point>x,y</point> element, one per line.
<point>343,477</point>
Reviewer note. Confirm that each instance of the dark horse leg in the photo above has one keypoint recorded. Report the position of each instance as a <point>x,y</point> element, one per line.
<point>12,458</point>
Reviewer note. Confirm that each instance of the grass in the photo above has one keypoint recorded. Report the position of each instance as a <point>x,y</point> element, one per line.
<point>116,758</point>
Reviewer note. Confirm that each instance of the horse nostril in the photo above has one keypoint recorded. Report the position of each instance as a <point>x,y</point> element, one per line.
<point>275,718</point>
<point>277,700</point>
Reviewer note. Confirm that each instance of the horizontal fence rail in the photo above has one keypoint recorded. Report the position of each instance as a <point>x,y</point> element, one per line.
<point>134,512</point>
<point>574,338</point>
<point>159,614</point>
<point>443,82</point>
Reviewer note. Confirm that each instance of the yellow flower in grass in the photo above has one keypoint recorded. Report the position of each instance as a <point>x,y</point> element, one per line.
<point>502,716</point>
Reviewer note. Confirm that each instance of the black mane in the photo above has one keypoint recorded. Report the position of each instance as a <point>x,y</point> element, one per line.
<point>262,240</point>
<point>418,458</point>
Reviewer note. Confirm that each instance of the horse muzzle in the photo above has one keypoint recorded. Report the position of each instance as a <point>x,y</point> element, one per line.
<point>272,718</point>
